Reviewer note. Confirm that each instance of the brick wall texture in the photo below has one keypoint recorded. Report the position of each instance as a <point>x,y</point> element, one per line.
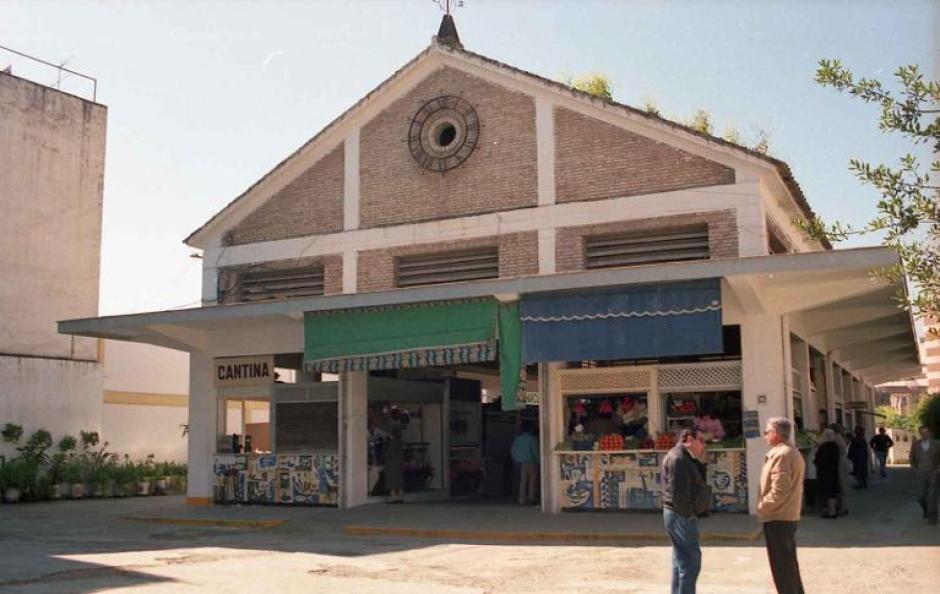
<point>332,274</point>
<point>595,160</point>
<point>309,205</point>
<point>518,256</point>
<point>722,235</point>
<point>500,174</point>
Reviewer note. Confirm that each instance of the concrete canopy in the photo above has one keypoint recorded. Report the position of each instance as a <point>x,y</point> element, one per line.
<point>831,298</point>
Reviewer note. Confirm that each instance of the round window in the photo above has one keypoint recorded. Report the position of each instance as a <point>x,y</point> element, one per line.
<point>443,133</point>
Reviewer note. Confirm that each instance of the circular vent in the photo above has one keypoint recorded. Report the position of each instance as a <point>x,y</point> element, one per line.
<point>443,133</point>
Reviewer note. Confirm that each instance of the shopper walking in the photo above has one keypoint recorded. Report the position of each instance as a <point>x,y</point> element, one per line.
<point>525,453</point>
<point>925,460</point>
<point>880,444</point>
<point>860,457</point>
<point>844,467</point>
<point>826,461</point>
<point>685,497</point>
<point>779,503</point>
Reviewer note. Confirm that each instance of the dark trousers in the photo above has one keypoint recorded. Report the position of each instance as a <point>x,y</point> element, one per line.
<point>781,551</point>
<point>686,553</point>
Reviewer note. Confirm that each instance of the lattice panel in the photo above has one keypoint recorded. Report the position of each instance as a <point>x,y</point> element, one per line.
<point>694,377</point>
<point>599,381</point>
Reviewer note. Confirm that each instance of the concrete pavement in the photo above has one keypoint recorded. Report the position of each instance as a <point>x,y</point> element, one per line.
<point>90,546</point>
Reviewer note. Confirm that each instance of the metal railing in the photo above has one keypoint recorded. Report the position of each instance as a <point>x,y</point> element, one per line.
<point>60,68</point>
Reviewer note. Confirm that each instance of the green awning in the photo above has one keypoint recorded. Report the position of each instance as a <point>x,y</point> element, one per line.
<point>417,335</point>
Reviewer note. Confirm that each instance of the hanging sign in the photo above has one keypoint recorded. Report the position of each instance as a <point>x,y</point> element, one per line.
<point>862,405</point>
<point>244,371</point>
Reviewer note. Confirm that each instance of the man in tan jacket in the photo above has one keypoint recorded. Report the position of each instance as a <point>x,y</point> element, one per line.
<point>779,503</point>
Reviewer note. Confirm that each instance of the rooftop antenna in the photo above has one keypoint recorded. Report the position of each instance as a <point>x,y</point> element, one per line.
<point>447,33</point>
<point>61,67</point>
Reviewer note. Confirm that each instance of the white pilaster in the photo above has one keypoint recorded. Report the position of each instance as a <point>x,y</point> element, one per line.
<point>546,239</point>
<point>350,271</point>
<point>545,148</point>
<point>351,181</point>
<point>203,408</point>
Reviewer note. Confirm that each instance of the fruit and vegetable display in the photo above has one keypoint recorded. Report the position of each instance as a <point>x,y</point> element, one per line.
<point>680,406</point>
<point>613,441</point>
<point>665,441</point>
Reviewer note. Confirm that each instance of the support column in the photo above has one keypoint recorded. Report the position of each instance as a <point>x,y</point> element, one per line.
<point>763,363</point>
<point>203,410</point>
<point>353,438</point>
<point>551,431</point>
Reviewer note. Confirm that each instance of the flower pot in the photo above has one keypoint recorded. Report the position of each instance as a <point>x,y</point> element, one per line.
<point>77,490</point>
<point>11,495</point>
<point>160,486</point>
<point>143,488</point>
<point>59,491</point>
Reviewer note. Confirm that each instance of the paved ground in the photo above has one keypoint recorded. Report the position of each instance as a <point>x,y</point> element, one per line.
<point>91,546</point>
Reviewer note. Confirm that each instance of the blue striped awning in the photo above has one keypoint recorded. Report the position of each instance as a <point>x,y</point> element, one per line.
<point>637,322</point>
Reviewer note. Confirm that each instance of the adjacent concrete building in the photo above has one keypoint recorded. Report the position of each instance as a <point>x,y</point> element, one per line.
<point>52,151</point>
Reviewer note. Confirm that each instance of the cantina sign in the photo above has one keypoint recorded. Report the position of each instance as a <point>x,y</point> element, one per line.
<point>244,371</point>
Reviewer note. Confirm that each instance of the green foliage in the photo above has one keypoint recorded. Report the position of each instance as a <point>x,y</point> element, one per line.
<point>12,433</point>
<point>595,84</point>
<point>67,444</point>
<point>908,212</point>
<point>928,413</point>
<point>21,474</point>
<point>89,439</point>
<point>36,446</point>
<point>649,106</point>
<point>896,420</point>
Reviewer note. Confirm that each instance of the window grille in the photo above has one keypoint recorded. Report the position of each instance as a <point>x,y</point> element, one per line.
<point>280,284</point>
<point>450,267</point>
<point>632,249</point>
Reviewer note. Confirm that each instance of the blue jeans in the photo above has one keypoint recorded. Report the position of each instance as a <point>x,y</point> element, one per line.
<point>686,554</point>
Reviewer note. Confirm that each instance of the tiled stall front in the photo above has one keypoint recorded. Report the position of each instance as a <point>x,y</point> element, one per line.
<point>298,479</point>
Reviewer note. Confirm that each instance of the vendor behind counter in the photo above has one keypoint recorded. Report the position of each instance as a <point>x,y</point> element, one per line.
<point>608,414</point>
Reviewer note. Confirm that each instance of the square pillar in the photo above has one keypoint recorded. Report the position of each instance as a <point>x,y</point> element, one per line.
<point>203,409</point>
<point>353,438</point>
<point>765,349</point>
<point>551,431</point>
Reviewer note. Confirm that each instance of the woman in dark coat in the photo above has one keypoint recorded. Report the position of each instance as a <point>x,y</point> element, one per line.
<point>828,483</point>
<point>858,454</point>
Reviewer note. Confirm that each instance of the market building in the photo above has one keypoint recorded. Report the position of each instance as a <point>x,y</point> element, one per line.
<point>471,248</point>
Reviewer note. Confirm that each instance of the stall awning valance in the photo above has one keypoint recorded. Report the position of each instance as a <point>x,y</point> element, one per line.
<point>419,335</point>
<point>638,322</point>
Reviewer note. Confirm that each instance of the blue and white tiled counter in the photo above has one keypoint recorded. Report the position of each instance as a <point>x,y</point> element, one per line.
<point>630,479</point>
<point>285,479</point>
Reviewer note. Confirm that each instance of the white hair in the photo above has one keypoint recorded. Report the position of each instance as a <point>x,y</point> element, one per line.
<point>782,426</point>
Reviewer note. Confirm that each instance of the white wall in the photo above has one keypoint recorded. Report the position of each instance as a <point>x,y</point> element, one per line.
<point>135,367</point>
<point>52,149</point>
<point>139,430</point>
<point>63,397</point>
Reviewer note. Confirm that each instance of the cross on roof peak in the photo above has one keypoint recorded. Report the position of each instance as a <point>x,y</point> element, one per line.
<point>447,32</point>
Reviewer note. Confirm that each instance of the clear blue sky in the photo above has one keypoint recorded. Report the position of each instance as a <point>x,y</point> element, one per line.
<point>205,97</point>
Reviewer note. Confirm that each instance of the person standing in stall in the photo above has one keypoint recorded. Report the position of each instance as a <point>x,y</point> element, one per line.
<point>525,453</point>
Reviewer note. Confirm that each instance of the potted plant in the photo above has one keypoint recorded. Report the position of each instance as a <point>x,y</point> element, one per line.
<point>125,478</point>
<point>58,462</point>
<point>18,477</point>
<point>73,474</point>
<point>146,473</point>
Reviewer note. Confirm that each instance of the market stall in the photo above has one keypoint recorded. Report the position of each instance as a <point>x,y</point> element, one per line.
<point>621,421</point>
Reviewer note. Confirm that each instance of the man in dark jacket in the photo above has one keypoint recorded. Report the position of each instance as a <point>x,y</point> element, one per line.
<point>686,496</point>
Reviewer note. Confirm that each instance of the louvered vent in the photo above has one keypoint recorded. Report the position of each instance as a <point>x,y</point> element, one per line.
<point>280,284</point>
<point>447,268</point>
<point>632,249</point>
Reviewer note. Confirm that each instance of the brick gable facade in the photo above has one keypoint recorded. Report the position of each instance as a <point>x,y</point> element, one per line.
<point>500,174</point>
<point>312,204</point>
<point>596,160</point>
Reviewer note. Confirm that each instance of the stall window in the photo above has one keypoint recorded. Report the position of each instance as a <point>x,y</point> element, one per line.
<point>718,414</point>
<point>244,425</point>
<point>600,417</point>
